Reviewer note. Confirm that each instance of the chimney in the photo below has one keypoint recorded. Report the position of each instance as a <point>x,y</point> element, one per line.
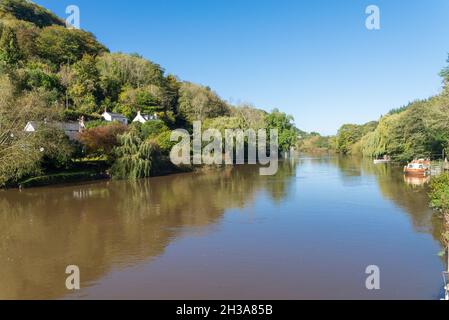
<point>82,125</point>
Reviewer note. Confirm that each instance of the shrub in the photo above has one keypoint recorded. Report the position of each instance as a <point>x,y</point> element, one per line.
<point>439,192</point>
<point>102,139</point>
<point>153,128</point>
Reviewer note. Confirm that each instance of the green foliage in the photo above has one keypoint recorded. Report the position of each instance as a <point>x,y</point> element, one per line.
<point>284,124</point>
<point>23,154</point>
<point>37,75</point>
<point>350,134</point>
<point>58,74</point>
<point>98,123</point>
<point>398,110</point>
<point>439,192</point>
<point>164,142</point>
<point>147,99</point>
<point>134,156</point>
<point>84,89</point>
<point>28,11</point>
<point>223,123</point>
<point>55,148</point>
<point>151,129</point>
<point>10,52</point>
<point>420,131</point>
<point>59,45</point>
<point>314,143</point>
<point>199,103</point>
<point>249,116</point>
<point>130,70</point>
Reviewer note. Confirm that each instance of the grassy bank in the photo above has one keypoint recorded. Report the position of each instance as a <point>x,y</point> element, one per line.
<point>439,200</point>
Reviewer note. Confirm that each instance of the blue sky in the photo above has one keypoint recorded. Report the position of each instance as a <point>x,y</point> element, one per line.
<point>313,59</point>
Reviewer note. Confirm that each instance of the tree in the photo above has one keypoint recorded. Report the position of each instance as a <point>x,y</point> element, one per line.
<point>286,129</point>
<point>103,139</point>
<point>10,52</point>
<point>37,75</point>
<point>28,11</point>
<point>199,103</point>
<point>249,116</point>
<point>146,99</point>
<point>23,153</point>
<point>134,156</point>
<point>84,90</point>
<point>130,70</point>
<point>350,134</point>
<point>153,128</point>
<point>59,46</point>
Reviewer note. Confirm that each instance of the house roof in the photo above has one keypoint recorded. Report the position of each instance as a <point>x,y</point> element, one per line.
<point>65,126</point>
<point>68,126</point>
<point>146,117</point>
<point>115,115</point>
<point>33,124</point>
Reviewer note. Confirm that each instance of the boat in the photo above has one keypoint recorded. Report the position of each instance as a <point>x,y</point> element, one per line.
<point>385,159</point>
<point>380,161</point>
<point>418,168</point>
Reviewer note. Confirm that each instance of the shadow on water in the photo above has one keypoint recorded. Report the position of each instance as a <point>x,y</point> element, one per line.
<point>114,224</point>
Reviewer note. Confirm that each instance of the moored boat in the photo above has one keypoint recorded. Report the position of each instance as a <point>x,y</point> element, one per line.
<point>418,168</point>
<point>385,159</point>
<point>380,161</point>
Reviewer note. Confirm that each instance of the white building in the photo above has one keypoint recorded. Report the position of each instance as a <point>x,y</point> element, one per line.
<point>142,118</point>
<point>111,117</point>
<point>71,129</point>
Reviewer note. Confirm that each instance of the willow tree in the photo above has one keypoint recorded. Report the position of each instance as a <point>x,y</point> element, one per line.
<point>134,156</point>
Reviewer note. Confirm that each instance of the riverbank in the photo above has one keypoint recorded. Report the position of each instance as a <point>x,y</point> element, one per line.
<point>439,200</point>
<point>88,171</point>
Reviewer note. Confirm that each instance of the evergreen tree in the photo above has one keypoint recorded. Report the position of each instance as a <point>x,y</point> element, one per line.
<point>10,51</point>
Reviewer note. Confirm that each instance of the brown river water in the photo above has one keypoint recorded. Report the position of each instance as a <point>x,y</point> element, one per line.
<point>307,233</point>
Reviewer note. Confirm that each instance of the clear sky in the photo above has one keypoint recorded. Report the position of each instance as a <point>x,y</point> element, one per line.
<point>314,59</point>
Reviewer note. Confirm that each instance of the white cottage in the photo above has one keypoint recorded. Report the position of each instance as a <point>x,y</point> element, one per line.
<point>111,117</point>
<point>71,129</point>
<point>143,118</point>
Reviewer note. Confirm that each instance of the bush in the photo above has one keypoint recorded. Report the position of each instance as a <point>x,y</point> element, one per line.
<point>153,128</point>
<point>101,140</point>
<point>164,142</point>
<point>439,193</point>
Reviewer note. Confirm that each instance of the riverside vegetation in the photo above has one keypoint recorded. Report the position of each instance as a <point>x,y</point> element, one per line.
<point>49,74</point>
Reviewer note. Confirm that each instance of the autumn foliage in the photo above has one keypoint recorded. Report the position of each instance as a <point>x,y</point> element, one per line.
<point>101,140</point>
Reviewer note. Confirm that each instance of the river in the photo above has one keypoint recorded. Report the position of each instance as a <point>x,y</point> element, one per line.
<point>309,232</point>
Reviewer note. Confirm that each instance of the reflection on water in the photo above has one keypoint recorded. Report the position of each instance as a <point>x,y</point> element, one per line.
<point>416,181</point>
<point>308,232</point>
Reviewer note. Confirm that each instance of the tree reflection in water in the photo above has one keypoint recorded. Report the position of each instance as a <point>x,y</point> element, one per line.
<point>113,224</point>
